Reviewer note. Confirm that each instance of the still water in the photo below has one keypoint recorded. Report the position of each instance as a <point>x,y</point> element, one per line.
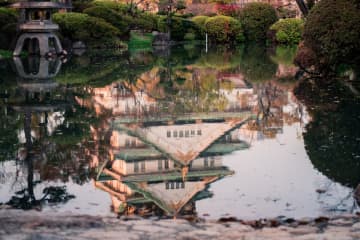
<point>179,132</point>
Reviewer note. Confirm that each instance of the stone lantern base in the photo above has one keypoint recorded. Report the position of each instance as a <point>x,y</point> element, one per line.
<point>38,44</point>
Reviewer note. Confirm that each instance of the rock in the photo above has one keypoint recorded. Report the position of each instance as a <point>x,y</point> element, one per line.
<point>321,219</point>
<point>227,219</point>
<point>356,226</point>
<point>78,45</point>
<point>320,191</point>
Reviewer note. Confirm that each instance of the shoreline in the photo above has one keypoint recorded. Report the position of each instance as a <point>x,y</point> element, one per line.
<point>18,224</point>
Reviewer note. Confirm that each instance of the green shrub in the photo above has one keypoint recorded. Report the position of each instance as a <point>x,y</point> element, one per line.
<point>80,5</point>
<point>332,31</point>
<point>224,29</point>
<point>93,31</point>
<point>256,19</point>
<point>288,31</point>
<point>8,21</point>
<point>200,22</point>
<point>110,16</point>
<point>119,15</point>
<point>116,6</point>
<point>145,21</point>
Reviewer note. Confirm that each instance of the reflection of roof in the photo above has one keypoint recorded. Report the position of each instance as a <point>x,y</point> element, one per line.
<point>183,143</point>
<point>138,154</point>
<point>44,107</point>
<point>170,200</point>
<point>185,117</point>
<point>155,188</point>
<point>167,176</point>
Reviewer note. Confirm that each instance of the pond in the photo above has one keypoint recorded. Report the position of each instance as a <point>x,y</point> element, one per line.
<point>179,132</point>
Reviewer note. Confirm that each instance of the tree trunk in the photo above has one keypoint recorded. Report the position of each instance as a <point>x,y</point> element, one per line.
<point>302,6</point>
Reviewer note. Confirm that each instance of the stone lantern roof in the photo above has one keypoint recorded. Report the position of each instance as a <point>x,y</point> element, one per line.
<point>41,5</point>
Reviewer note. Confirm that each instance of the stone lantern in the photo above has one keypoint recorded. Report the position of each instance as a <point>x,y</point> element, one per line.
<point>37,29</point>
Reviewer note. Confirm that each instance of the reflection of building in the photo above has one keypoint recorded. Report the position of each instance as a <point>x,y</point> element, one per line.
<point>141,179</point>
<point>157,161</point>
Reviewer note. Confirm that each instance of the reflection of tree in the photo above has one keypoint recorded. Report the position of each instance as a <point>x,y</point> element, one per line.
<point>284,55</point>
<point>93,70</point>
<point>256,64</point>
<point>332,137</point>
<point>25,198</point>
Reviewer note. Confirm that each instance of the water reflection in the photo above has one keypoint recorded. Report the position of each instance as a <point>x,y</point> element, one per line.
<point>39,108</point>
<point>183,134</point>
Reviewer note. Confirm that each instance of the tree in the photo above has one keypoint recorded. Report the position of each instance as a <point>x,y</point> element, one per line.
<point>332,32</point>
<point>256,19</point>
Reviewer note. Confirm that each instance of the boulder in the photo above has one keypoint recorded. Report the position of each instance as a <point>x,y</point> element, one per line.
<point>78,45</point>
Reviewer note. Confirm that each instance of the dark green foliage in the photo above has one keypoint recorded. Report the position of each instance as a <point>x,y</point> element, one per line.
<point>288,31</point>
<point>310,4</point>
<point>110,16</point>
<point>92,31</point>
<point>122,16</point>
<point>224,29</point>
<point>80,5</point>
<point>332,31</point>
<point>179,27</point>
<point>256,19</point>
<point>8,21</point>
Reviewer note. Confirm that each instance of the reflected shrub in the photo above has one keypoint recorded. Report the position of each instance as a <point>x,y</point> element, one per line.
<point>256,64</point>
<point>224,29</point>
<point>284,55</point>
<point>256,19</point>
<point>288,31</point>
<point>332,137</point>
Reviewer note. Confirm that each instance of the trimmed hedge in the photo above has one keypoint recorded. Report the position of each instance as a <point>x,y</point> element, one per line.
<point>121,15</point>
<point>256,19</point>
<point>224,29</point>
<point>114,18</point>
<point>288,31</point>
<point>93,31</point>
<point>200,22</point>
